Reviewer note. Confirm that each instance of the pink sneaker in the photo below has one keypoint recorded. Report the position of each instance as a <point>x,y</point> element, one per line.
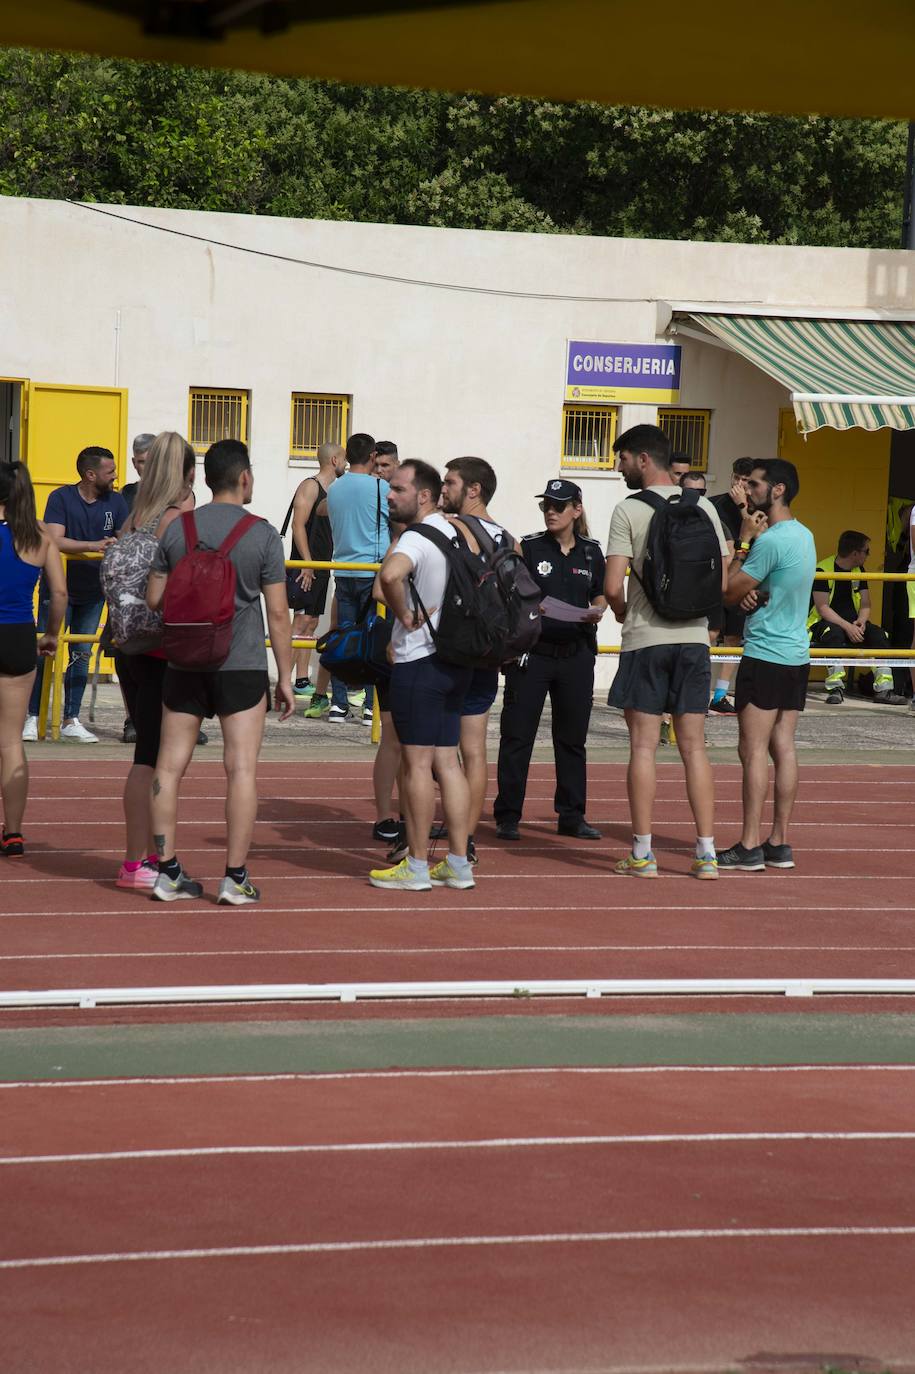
<point>142,879</point>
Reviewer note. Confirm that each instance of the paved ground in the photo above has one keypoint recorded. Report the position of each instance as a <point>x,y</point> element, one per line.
<point>883,733</point>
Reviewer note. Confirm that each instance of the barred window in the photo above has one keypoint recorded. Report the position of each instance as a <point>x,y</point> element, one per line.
<point>687,431</point>
<point>317,418</point>
<point>215,415</point>
<point>588,433</point>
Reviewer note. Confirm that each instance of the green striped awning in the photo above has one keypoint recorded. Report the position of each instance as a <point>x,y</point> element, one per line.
<point>847,374</point>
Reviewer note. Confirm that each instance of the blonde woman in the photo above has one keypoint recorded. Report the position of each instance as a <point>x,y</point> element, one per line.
<point>165,490</point>
<point>26,550</point>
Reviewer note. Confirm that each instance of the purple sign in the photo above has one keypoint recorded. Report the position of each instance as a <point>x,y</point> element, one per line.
<point>629,371</point>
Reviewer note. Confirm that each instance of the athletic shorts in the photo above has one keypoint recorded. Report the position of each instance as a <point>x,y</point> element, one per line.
<point>426,697</point>
<point>664,677</point>
<point>730,621</point>
<point>771,686</point>
<point>142,677</point>
<point>215,693</point>
<point>18,649</point>
<point>482,692</point>
<point>314,601</point>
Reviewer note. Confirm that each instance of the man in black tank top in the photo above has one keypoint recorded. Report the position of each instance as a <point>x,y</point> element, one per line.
<point>312,538</point>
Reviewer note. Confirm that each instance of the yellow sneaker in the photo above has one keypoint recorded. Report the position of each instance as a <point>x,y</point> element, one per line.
<point>443,875</point>
<point>401,876</point>
<point>706,867</point>
<point>638,868</point>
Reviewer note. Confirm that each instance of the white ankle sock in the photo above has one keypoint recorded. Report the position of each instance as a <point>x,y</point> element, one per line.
<point>418,866</point>
<point>458,861</point>
<point>641,846</point>
<point>705,845</point>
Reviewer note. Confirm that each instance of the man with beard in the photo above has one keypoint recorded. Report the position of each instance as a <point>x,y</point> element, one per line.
<point>772,579</point>
<point>664,664</point>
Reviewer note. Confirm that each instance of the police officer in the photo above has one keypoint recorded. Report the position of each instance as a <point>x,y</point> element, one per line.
<point>568,565</point>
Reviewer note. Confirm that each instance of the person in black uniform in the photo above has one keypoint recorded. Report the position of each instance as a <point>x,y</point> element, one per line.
<point>568,565</point>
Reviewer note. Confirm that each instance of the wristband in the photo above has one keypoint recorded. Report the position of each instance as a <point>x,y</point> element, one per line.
<point>741,546</point>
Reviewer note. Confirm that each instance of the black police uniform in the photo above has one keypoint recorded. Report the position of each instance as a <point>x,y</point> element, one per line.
<point>561,664</point>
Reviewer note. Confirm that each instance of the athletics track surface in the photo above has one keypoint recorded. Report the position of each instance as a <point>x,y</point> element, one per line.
<point>164,1211</point>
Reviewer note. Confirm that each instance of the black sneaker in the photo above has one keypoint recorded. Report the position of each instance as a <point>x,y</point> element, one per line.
<point>778,855</point>
<point>472,852</point>
<point>508,830</point>
<point>386,832</point>
<point>129,733</point>
<point>12,845</point>
<point>740,859</point>
<point>835,696</point>
<point>168,889</point>
<point>398,851</point>
<point>438,831</point>
<point>722,707</point>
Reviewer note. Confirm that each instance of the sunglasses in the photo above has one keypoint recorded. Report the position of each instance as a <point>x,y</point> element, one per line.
<point>553,505</point>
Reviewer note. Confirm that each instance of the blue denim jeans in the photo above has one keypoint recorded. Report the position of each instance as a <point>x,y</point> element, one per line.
<point>82,620</point>
<point>353,595</point>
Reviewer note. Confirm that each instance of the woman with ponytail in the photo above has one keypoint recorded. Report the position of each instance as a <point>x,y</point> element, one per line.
<point>26,550</point>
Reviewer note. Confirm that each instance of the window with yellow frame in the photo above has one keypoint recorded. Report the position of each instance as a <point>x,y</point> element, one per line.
<point>317,418</point>
<point>588,433</point>
<point>687,431</point>
<point>215,414</point>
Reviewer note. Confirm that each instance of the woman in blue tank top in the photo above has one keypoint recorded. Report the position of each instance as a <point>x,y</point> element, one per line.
<point>26,550</point>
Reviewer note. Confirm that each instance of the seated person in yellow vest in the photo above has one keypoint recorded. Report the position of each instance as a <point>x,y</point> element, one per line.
<point>840,618</point>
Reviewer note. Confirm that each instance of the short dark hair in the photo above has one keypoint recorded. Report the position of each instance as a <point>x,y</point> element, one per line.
<point>425,477</point>
<point>850,540</point>
<point>387,448</point>
<point>89,458</point>
<point>646,439</point>
<point>359,449</point>
<point>779,470</point>
<point>694,475</point>
<point>475,470</point>
<point>677,455</point>
<point>742,467</point>
<point>224,463</point>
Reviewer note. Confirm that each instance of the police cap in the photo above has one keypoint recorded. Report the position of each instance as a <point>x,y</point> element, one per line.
<point>561,490</point>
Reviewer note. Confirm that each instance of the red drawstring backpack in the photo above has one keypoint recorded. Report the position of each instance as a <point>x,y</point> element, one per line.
<point>199,602</point>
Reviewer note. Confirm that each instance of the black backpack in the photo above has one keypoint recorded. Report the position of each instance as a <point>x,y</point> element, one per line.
<point>490,613</point>
<point>681,570</point>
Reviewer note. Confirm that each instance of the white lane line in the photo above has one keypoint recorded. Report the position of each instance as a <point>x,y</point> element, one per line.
<point>455,1242</point>
<point>500,1143</point>
<point>114,798</point>
<point>550,826</point>
<point>319,1078</point>
<point>460,949</point>
<point>202,907</point>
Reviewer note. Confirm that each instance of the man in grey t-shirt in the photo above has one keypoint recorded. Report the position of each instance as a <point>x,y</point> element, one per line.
<point>238,691</point>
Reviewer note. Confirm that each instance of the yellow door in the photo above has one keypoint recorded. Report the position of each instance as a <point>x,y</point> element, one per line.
<point>62,420</point>
<point>844,476</point>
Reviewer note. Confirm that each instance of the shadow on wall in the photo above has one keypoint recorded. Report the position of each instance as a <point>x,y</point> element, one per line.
<point>891,280</point>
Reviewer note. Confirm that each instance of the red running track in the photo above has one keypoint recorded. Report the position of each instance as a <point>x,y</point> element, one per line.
<point>548,907</point>
<point>474,1222</point>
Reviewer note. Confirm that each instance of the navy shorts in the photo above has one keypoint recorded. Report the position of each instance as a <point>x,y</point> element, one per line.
<point>664,677</point>
<point>425,698</point>
<point>482,692</point>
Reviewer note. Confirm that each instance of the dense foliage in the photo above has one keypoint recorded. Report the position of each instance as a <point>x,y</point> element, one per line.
<point>81,128</point>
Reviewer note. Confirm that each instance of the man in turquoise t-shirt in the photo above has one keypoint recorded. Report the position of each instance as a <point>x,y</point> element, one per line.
<point>771,578</point>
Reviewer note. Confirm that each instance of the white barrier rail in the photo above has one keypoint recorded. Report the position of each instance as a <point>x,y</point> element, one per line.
<point>519,988</point>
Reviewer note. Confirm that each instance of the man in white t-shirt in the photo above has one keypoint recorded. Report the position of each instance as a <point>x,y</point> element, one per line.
<point>425,695</point>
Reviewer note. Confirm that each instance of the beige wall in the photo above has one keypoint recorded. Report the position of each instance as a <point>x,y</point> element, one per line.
<point>97,301</point>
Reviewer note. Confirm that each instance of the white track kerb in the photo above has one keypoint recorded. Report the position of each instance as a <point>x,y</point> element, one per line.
<point>558,987</point>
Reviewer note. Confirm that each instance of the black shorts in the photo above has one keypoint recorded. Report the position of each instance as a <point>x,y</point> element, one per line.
<point>730,621</point>
<point>215,693</point>
<point>426,697</point>
<point>664,677</point>
<point>482,692</point>
<point>141,677</point>
<point>771,686</point>
<point>18,649</point>
<point>314,601</point>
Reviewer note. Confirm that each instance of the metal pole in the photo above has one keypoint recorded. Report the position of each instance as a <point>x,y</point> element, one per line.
<point>908,200</point>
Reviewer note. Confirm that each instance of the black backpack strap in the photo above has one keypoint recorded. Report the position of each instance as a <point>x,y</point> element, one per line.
<point>487,544</point>
<point>650,498</point>
<point>445,546</point>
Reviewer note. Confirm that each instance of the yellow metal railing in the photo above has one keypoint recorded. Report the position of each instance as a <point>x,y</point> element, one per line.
<point>54,668</point>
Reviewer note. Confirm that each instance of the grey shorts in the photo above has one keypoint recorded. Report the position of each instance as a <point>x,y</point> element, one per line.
<point>665,677</point>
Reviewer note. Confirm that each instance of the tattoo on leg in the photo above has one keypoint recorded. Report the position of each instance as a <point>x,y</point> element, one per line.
<point>159,841</point>
<point>156,786</point>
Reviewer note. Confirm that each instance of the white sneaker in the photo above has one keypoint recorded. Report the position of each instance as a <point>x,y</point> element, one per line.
<point>30,729</point>
<point>76,730</point>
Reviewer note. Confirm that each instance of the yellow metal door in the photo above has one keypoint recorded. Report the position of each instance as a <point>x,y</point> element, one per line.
<point>844,476</point>
<point>62,420</point>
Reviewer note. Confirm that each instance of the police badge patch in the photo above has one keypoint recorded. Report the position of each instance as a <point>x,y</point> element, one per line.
<point>544,568</point>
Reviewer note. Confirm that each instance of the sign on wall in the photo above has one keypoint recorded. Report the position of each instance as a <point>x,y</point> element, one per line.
<point>612,372</point>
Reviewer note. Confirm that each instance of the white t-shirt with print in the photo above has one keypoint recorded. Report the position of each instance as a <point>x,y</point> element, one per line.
<point>430,572</point>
